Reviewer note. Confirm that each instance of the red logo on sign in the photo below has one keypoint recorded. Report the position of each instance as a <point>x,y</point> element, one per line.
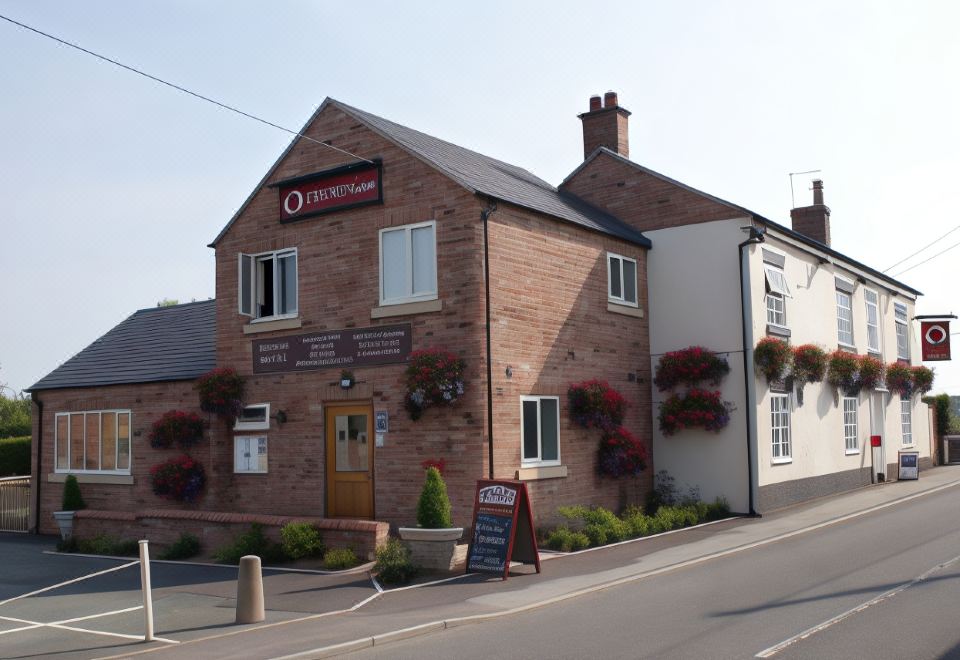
<point>935,340</point>
<point>328,191</point>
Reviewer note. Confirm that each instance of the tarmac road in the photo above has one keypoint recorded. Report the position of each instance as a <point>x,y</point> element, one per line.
<point>741,604</point>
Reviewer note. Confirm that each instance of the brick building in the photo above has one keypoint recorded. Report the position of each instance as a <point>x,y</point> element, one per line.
<point>365,241</point>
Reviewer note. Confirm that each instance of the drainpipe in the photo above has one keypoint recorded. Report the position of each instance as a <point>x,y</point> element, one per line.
<point>36,504</point>
<point>746,318</point>
<point>485,215</point>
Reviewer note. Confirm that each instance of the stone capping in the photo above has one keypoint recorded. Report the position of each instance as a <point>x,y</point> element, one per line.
<point>324,524</point>
<point>403,309</point>
<point>626,310</point>
<point>253,328</point>
<point>89,478</point>
<point>534,473</point>
<point>777,330</point>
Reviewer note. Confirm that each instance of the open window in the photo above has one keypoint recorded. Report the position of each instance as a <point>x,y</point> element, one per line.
<point>267,284</point>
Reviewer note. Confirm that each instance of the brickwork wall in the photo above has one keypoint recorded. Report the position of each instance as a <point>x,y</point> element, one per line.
<point>642,200</point>
<point>552,327</point>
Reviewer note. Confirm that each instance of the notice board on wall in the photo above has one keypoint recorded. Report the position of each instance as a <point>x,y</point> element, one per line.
<point>909,465</point>
<point>502,528</point>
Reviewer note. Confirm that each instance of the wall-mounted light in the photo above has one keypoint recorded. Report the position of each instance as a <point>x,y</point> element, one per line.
<point>509,372</point>
<point>281,417</point>
<point>346,379</point>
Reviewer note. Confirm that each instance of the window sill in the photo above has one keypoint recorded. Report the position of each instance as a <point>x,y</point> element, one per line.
<point>912,445</point>
<point>778,330</point>
<point>850,348</point>
<point>625,309</point>
<point>88,478</point>
<point>781,461</point>
<point>851,452</point>
<point>254,472</point>
<point>255,327</point>
<point>535,473</point>
<point>403,309</point>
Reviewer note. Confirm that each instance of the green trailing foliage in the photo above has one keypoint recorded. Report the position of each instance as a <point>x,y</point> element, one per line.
<point>393,564</point>
<point>339,559</point>
<point>185,547</point>
<point>251,542</point>
<point>946,423</point>
<point>14,456</point>
<point>433,508</point>
<point>301,540</point>
<point>72,500</point>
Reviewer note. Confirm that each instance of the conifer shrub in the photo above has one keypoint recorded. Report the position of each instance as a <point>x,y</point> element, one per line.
<point>433,507</point>
<point>72,500</point>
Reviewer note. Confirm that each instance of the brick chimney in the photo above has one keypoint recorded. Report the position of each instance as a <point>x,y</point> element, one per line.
<point>813,221</point>
<point>605,126</point>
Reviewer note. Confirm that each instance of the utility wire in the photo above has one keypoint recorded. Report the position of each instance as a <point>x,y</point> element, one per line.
<point>182,89</point>
<point>926,260</point>
<point>922,249</point>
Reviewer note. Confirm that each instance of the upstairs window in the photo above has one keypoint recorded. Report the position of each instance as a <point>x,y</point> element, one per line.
<point>844,318</point>
<point>268,284</point>
<point>621,279</point>
<point>408,263</point>
<point>777,292</point>
<point>903,337</point>
<point>873,320</point>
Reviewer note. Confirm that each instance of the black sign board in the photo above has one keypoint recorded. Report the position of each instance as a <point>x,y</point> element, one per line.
<point>909,464</point>
<point>502,528</point>
<point>327,349</point>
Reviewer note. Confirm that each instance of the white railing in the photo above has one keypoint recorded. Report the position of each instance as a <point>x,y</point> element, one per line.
<point>14,504</point>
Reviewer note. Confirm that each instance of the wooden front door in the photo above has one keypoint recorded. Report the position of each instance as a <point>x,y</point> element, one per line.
<point>349,461</point>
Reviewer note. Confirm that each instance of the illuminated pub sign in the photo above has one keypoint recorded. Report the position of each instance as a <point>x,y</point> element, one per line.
<point>328,349</point>
<point>341,188</point>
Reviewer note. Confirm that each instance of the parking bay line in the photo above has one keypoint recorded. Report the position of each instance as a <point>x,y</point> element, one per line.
<point>61,625</point>
<point>63,584</point>
<point>776,648</point>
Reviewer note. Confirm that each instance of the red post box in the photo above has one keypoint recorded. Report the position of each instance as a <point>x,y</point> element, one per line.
<point>874,440</point>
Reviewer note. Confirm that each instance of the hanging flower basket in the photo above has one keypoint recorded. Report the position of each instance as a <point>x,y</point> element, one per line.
<point>900,379</point>
<point>434,377</point>
<point>594,404</point>
<point>695,409</point>
<point>221,392</point>
<point>689,367</point>
<point>181,479</point>
<point>183,429</point>
<point>809,364</point>
<point>621,454</point>
<point>843,372</point>
<point>922,379</point>
<point>871,372</point>
<point>772,356</point>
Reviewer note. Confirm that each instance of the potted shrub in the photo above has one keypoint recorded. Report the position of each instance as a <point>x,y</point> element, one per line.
<point>433,541</point>
<point>772,356</point>
<point>922,379</point>
<point>900,379</point>
<point>72,501</point>
<point>809,364</point>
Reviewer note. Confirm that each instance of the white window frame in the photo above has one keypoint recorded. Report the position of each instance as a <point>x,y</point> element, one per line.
<point>875,306</point>
<point>906,421</point>
<point>411,296</point>
<point>849,310</point>
<point>116,421</point>
<point>254,283</point>
<point>537,462</point>
<point>250,441</point>
<point>851,426</point>
<point>254,425</point>
<point>902,326</point>
<point>776,310</point>
<point>777,281</point>
<point>781,449</point>
<point>621,299</point>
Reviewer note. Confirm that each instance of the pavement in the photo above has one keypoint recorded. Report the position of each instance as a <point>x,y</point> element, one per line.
<point>313,615</point>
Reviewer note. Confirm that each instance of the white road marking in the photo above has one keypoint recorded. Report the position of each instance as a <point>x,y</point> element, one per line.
<point>63,584</point>
<point>60,625</point>
<point>97,616</point>
<point>5,632</point>
<point>773,650</point>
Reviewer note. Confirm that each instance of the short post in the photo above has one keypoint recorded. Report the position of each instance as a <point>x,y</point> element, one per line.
<point>147,592</point>
<point>250,591</point>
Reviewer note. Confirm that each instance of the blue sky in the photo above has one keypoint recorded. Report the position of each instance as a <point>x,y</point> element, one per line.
<point>111,185</point>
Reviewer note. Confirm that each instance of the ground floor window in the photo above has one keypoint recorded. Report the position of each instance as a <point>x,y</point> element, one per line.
<point>906,421</point>
<point>780,427</point>
<point>250,453</point>
<point>850,425</point>
<point>540,427</point>
<point>92,441</point>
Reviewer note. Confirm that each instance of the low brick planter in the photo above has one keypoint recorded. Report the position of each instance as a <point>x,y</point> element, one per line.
<point>434,549</point>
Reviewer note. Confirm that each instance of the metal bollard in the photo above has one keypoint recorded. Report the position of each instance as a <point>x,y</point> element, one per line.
<point>147,591</point>
<point>250,591</point>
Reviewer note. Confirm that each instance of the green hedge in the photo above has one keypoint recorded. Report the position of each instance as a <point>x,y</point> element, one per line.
<point>14,456</point>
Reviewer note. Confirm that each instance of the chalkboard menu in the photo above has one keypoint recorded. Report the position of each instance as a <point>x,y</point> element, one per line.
<point>909,465</point>
<point>502,528</point>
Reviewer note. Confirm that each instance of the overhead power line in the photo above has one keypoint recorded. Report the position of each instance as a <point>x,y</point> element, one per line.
<point>922,249</point>
<point>927,259</point>
<point>181,89</point>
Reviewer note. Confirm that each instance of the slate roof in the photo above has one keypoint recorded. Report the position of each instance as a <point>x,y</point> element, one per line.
<point>480,175</point>
<point>155,344</point>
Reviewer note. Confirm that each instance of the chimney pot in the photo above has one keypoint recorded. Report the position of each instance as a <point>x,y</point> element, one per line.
<point>605,126</point>
<point>595,103</point>
<point>813,220</point>
<point>610,100</point>
<point>818,191</point>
